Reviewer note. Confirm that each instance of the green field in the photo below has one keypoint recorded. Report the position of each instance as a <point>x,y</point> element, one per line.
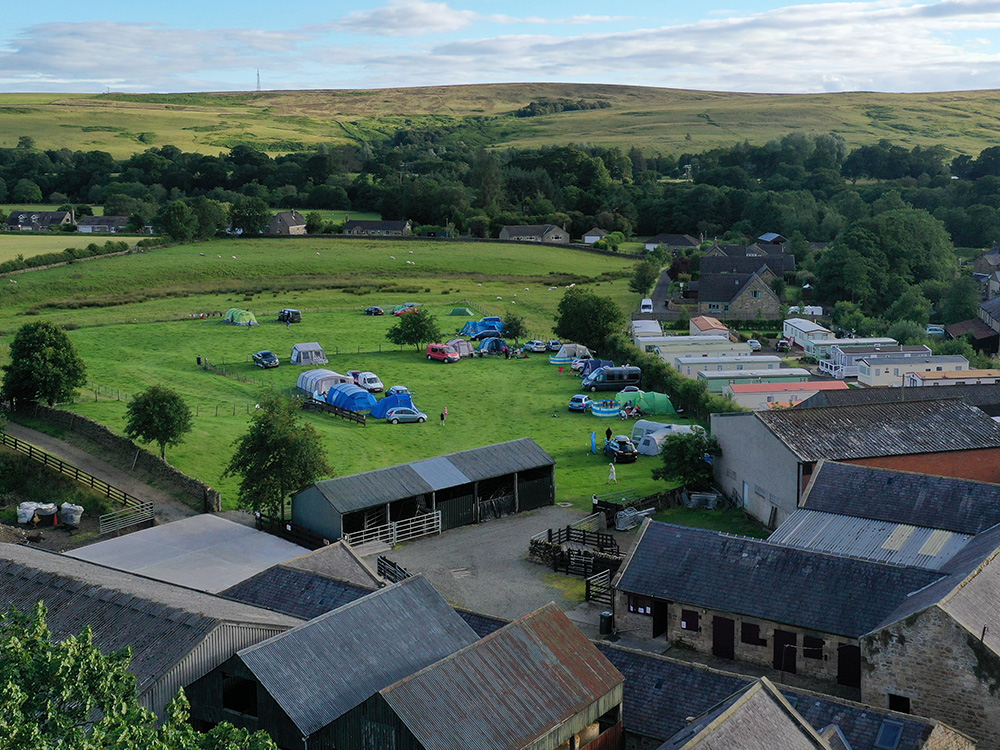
<point>13,244</point>
<point>149,330</point>
<point>656,120</point>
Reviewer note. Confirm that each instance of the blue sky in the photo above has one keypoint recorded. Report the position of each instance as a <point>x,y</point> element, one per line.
<point>182,45</point>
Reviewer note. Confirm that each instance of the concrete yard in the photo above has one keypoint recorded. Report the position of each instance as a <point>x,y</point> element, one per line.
<point>203,552</point>
<point>485,568</point>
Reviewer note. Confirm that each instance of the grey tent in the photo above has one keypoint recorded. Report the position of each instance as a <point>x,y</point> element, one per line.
<point>320,381</point>
<point>463,347</point>
<point>308,354</point>
<point>651,443</point>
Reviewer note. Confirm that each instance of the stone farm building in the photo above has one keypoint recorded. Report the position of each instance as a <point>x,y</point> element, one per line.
<point>287,223</point>
<point>368,228</point>
<point>535,233</point>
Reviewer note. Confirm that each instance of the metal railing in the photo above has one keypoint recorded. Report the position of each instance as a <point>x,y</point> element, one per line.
<point>391,571</point>
<point>598,587</point>
<point>398,531</point>
<point>122,519</point>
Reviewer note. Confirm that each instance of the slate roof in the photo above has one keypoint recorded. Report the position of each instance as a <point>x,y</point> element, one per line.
<point>366,645</point>
<point>974,327</point>
<point>506,690</point>
<point>375,225</point>
<point>295,592</point>
<point>758,715</point>
<point>880,429</point>
<point>102,221</point>
<point>991,307</point>
<point>661,693</point>
<point>674,240</point>
<point>161,622</point>
<point>337,561</point>
<point>959,505</point>
<point>530,230</point>
<point>482,624</point>
<point>725,287</point>
<point>359,491</point>
<point>778,263</point>
<point>37,218</point>
<point>754,578</point>
<point>985,397</point>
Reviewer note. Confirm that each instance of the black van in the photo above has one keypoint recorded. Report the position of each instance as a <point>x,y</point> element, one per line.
<point>289,316</point>
<point>612,378</point>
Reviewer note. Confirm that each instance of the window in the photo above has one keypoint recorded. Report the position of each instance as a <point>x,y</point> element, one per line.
<point>239,694</point>
<point>750,634</point>
<point>888,735</point>
<point>899,703</point>
<point>689,620</point>
<point>755,293</point>
<point>812,647</point>
<point>641,605</point>
<point>713,306</point>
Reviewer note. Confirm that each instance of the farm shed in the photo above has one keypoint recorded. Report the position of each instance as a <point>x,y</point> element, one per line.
<point>467,487</point>
<point>240,317</point>
<point>310,353</point>
<point>463,347</point>
<point>319,381</point>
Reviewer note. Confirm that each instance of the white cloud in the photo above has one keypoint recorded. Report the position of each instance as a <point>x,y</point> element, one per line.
<point>408,18</point>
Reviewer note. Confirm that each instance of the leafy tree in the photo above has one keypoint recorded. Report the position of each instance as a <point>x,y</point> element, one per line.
<point>514,327</point>
<point>587,318</point>
<point>176,220</point>
<point>157,415</point>
<point>684,459</point>
<point>416,328</point>
<point>314,222</point>
<point>210,216</point>
<point>907,332</point>
<point>644,276</point>
<point>277,456</point>
<point>70,696</point>
<point>44,366</point>
<point>26,191</point>
<point>910,305</point>
<point>250,215</point>
<point>959,301</point>
<point>26,142</point>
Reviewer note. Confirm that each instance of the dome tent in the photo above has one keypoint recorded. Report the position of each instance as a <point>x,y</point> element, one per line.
<point>391,402</point>
<point>240,317</point>
<point>463,347</point>
<point>655,403</point>
<point>568,352</point>
<point>351,397</point>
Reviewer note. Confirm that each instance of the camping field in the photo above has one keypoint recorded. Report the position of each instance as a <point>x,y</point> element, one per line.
<point>136,320</point>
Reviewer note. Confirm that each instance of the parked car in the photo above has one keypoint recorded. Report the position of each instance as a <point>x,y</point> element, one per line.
<point>754,345</point>
<point>490,334</point>
<point>621,450</point>
<point>288,315</point>
<point>404,311</point>
<point>442,353</point>
<point>367,380</point>
<point>534,346</point>
<point>374,310</point>
<point>396,390</point>
<point>265,359</point>
<point>579,402</point>
<point>553,345</point>
<point>783,345</point>
<point>404,414</point>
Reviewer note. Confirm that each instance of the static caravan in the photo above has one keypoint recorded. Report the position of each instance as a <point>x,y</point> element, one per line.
<point>691,366</point>
<point>717,381</point>
<point>890,371</point>
<point>671,347</point>
<point>821,348</point>
<point>844,357</point>
<point>760,396</point>
<point>957,377</point>
<point>800,330</point>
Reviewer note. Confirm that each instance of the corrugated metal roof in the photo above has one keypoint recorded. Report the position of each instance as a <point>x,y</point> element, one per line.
<point>439,473</point>
<point>322,669</point>
<point>885,541</point>
<point>506,690</point>
<point>891,429</point>
<point>372,488</point>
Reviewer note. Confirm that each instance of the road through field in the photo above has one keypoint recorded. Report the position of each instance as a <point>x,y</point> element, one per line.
<point>167,507</point>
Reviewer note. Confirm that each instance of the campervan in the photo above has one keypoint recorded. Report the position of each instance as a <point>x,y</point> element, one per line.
<point>612,378</point>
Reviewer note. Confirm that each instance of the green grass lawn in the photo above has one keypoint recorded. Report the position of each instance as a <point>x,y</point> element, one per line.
<point>28,244</point>
<point>149,330</point>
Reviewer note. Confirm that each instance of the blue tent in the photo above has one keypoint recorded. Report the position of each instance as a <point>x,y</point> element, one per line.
<point>349,396</point>
<point>474,327</point>
<point>592,364</point>
<point>492,346</point>
<point>391,402</point>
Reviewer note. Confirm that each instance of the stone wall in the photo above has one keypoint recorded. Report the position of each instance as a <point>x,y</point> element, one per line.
<point>824,668</point>
<point>203,497</point>
<point>943,737</point>
<point>941,668</point>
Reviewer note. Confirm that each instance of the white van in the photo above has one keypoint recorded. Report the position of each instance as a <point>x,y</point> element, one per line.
<point>646,306</point>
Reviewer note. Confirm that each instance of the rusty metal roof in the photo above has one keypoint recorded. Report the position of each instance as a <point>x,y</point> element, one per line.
<point>506,690</point>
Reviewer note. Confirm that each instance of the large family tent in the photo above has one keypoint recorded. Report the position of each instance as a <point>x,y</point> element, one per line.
<point>492,346</point>
<point>462,312</point>
<point>320,381</point>
<point>651,444</point>
<point>239,317</point>
<point>655,403</point>
<point>351,397</point>
<point>463,347</point>
<point>310,353</point>
<point>628,397</point>
<point>592,364</point>
<point>568,352</point>
<point>391,402</point>
<point>474,327</point>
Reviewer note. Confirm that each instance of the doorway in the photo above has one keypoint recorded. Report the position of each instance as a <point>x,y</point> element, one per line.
<point>785,646</point>
<point>723,637</point>
<point>659,619</point>
<point>849,665</point>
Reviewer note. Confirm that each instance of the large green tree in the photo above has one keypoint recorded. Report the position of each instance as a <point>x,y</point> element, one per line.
<point>687,459</point>
<point>250,215</point>
<point>587,318</point>
<point>644,276</point>
<point>416,328</point>
<point>176,220</point>
<point>157,415</point>
<point>514,327</point>
<point>70,696</point>
<point>44,365</point>
<point>278,455</point>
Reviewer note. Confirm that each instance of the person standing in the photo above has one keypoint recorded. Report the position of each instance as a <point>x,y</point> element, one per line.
<point>612,475</point>
<point>607,435</point>
<point>443,415</point>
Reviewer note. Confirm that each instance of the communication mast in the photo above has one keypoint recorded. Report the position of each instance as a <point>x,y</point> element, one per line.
<point>258,79</point>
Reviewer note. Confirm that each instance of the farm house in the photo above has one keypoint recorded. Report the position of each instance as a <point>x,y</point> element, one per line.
<point>308,354</point>
<point>240,317</point>
<point>319,381</point>
<point>466,487</point>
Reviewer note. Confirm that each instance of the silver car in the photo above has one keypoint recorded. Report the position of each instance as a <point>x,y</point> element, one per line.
<point>404,414</point>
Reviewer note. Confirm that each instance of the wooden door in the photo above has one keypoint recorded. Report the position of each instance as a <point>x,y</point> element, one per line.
<point>785,646</point>
<point>723,637</point>
<point>659,619</point>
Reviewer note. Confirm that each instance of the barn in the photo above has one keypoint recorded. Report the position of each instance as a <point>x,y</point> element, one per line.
<point>466,487</point>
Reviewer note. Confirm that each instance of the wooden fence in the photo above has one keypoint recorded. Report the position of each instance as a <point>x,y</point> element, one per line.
<point>313,404</point>
<point>599,540</point>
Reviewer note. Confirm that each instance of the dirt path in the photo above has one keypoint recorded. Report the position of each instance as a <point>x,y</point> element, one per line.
<point>167,507</point>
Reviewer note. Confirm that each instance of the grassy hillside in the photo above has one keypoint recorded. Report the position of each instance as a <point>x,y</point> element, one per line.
<point>664,120</point>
